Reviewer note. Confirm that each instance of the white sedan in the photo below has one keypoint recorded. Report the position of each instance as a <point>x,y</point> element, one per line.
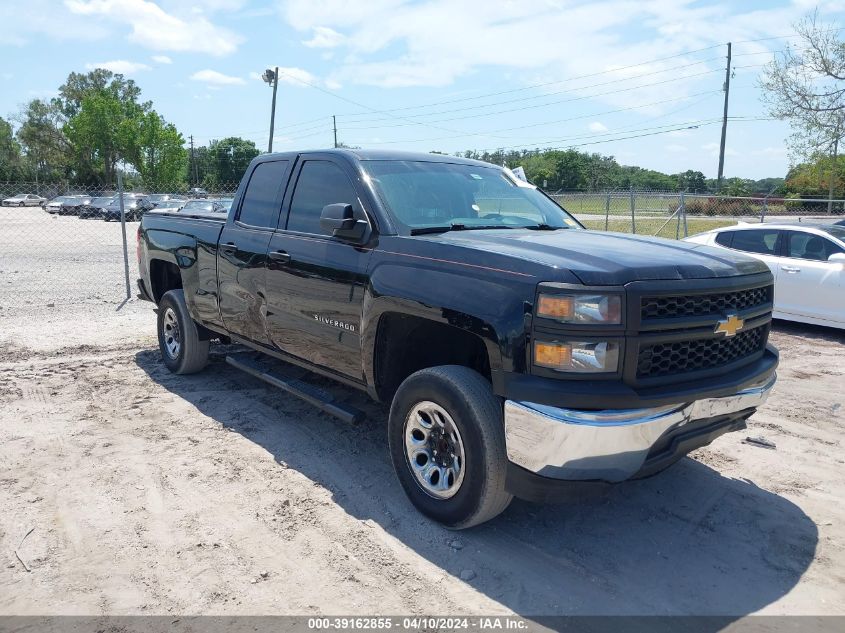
<point>24,200</point>
<point>807,260</point>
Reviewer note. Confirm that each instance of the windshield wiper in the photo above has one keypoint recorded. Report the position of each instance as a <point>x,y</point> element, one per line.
<point>458,227</point>
<point>542,227</point>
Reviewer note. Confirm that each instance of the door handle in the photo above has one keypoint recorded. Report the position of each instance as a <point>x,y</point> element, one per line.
<point>230,248</point>
<point>790,269</point>
<point>279,257</point>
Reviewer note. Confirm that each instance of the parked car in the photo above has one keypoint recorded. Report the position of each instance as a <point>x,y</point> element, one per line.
<point>198,192</point>
<point>56,204</point>
<point>24,200</point>
<point>134,206</point>
<point>226,202</point>
<point>95,209</point>
<point>807,261</point>
<point>170,205</point>
<point>204,206</point>
<point>521,354</point>
<point>158,198</point>
<point>72,206</point>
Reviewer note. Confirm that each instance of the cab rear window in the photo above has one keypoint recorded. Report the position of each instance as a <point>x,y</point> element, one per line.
<point>761,241</point>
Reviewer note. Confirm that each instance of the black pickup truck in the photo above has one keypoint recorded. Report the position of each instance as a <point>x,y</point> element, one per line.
<point>521,354</point>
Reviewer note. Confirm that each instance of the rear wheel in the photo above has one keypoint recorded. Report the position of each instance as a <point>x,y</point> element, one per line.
<point>178,338</point>
<point>447,444</point>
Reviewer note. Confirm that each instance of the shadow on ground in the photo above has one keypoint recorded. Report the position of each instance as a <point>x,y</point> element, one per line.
<point>687,541</point>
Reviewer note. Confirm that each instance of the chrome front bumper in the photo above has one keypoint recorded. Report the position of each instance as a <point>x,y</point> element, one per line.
<point>609,445</point>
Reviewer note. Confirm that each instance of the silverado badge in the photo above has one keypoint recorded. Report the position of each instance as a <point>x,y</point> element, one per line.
<point>729,326</point>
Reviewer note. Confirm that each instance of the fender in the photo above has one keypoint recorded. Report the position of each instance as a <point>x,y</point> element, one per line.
<point>181,250</point>
<point>489,308</point>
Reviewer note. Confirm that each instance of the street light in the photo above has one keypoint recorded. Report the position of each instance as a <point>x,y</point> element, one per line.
<point>272,77</point>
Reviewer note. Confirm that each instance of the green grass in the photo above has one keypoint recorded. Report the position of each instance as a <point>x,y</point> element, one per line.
<point>650,226</point>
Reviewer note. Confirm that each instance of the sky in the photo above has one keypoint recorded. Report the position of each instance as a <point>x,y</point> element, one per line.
<point>640,80</point>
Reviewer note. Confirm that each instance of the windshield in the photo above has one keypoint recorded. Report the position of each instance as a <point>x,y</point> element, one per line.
<point>422,194</point>
<point>835,231</point>
<point>198,205</point>
<point>102,202</point>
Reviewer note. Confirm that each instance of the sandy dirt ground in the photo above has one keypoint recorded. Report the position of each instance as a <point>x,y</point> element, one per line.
<point>149,493</point>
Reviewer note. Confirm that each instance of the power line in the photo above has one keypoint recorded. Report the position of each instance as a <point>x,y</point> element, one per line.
<point>366,107</point>
<point>575,118</point>
<point>491,94</point>
<point>558,81</point>
<point>581,98</point>
<point>576,137</point>
<point>551,94</point>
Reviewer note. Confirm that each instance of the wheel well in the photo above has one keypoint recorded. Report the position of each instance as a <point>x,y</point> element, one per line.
<point>164,276</point>
<point>406,344</point>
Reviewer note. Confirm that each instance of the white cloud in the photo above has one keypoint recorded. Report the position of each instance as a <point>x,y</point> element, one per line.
<point>299,77</point>
<point>597,126</point>
<point>215,78</point>
<point>324,37</point>
<point>396,43</point>
<point>713,149</point>
<point>120,66</point>
<point>162,59</point>
<point>35,19</point>
<point>771,152</point>
<point>157,29</point>
<point>296,76</point>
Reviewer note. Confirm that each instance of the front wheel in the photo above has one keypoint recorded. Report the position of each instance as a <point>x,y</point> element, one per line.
<point>178,337</point>
<point>447,444</point>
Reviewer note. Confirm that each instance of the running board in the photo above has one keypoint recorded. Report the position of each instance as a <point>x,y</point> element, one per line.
<point>312,395</point>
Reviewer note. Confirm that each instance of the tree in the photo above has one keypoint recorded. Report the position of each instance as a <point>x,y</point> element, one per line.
<point>159,154</point>
<point>812,179</point>
<point>105,129</point>
<point>692,181</point>
<point>78,86</point>
<point>45,147</point>
<point>805,85</point>
<point>737,187</point>
<point>10,152</point>
<point>227,159</point>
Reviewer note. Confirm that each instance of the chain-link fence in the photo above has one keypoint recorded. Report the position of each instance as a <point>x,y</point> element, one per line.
<point>676,215</point>
<point>63,243</point>
<point>68,244</point>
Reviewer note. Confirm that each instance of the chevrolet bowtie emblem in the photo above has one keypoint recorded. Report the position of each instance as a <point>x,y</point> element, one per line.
<point>729,326</point>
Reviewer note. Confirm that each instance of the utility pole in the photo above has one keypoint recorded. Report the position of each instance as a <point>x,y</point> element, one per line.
<point>832,176</point>
<point>334,125</point>
<point>193,161</point>
<point>727,88</point>
<point>272,78</point>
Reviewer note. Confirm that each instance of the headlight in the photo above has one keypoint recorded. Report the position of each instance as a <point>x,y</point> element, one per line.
<point>581,308</point>
<point>577,356</point>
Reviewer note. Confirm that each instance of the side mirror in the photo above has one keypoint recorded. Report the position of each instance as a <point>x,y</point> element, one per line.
<point>338,220</point>
<point>837,258</point>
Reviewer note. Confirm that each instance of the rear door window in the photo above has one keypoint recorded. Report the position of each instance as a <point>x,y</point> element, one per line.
<point>762,241</point>
<point>261,202</point>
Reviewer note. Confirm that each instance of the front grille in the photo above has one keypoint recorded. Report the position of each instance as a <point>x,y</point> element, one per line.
<point>704,305</point>
<point>663,359</point>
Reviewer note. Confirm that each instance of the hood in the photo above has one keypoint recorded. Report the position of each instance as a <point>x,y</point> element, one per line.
<point>604,259</point>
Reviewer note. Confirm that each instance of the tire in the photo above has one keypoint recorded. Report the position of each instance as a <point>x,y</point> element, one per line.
<point>189,354</point>
<point>474,492</point>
